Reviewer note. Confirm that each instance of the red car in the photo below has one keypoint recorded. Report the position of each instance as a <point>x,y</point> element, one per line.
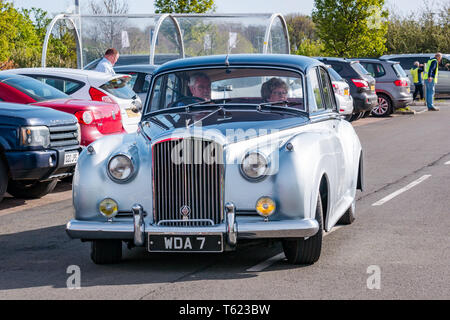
<point>96,118</point>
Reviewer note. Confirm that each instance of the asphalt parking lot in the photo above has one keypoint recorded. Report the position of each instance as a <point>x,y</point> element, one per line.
<point>401,232</point>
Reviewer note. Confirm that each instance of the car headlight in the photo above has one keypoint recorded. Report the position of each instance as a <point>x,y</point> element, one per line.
<point>254,166</point>
<point>108,207</point>
<point>120,168</point>
<point>38,136</point>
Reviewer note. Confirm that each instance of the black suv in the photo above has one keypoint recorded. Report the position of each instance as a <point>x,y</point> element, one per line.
<point>362,84</point>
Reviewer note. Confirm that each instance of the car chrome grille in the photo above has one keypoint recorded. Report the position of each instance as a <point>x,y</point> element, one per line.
<point>62,136</point>
<point>195,185</point>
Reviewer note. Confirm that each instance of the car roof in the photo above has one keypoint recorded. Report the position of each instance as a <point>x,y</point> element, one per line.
<point>145,68</point>
<point>412,55</point>
<point>301,63</point>
<point>375,60</point>
<point>336,59</point>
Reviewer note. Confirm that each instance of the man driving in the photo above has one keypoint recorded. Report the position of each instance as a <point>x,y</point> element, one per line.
<point>200,86</point>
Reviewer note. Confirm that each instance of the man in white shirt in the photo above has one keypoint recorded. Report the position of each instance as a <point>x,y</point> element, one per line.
<point>108,61</point>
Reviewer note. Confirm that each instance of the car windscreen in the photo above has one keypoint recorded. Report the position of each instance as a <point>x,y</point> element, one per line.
<point>227,86</point>
<point>360,69</point>
<point>119,87</point>
<point>36,89</point>
<point>334,75</point>
<point>399,70</point>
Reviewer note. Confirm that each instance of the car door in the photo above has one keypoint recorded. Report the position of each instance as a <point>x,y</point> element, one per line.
<point>443,85</point>
<point>329,123</point>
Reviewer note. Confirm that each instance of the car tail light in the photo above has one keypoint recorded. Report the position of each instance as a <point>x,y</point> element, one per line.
<point>85,117</point>
<point>360,83</point>
<point>98,95</point>
<point>338,89</point>
<point>401,83</point>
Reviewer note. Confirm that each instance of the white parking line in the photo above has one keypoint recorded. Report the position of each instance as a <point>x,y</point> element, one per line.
<point>447,163</point>
<point>400,191</point>
<point>267,263</point>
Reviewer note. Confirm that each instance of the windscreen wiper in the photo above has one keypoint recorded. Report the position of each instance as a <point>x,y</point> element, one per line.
<point>282,105</point>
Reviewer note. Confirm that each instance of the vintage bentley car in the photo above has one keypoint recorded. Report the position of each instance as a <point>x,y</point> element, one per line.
<point>229,149</point>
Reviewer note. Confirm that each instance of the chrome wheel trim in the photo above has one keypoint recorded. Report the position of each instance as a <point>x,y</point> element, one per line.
<point>382,107</point>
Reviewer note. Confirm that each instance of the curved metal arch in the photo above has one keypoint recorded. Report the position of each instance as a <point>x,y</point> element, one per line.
<point>156,32</point>
<point>269,29</point>
<point>47,39</point>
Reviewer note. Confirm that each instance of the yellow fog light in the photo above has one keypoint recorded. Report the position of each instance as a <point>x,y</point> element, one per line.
<point>265,206</point>
<point>108,208</point>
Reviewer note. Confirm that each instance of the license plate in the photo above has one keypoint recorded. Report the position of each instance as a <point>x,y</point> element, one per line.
<point>70,158</point>
<point>185,243</point>
<point>132,114</point>
<point>408,90</point>
<point>372,88</point>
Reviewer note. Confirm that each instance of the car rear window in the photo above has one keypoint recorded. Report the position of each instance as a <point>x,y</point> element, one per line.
<point>399,70</point>
<point>35,89</point>
<point>119,87</point>
<point>334,75</point>
<point>359,69</point>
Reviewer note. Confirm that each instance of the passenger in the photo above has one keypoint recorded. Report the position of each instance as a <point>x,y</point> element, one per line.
<point>274,90</point>
<point>200,86</point>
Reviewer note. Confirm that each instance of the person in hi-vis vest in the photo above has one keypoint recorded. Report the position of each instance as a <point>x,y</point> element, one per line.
<point>431,78</point>
<point>417,74</point>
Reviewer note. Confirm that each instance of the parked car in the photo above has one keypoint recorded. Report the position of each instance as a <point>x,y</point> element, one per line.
<point>96,119</point>
<point>407,62</point>
<point>92,85</point>
<point>203,175</point>
<point>37,146</point>
<point>140,77</point>
<point>392,85</point>
<point>342,91</point>
<point>362,84</point>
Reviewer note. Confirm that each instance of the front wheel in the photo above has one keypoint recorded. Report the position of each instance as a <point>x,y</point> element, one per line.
<point>301,251</point>
<point>106,251</point>
<point>3,180</point>
<point>31,190</point>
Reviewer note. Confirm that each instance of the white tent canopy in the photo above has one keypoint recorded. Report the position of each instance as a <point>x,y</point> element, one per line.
<point>163,37</point>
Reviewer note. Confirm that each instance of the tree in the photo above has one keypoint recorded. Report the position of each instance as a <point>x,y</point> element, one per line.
<point>300,28</point>
<point>351,28</point>
<point>184,6</point>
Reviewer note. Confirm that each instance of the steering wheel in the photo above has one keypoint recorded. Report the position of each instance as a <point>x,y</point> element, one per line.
<point>184,101</point>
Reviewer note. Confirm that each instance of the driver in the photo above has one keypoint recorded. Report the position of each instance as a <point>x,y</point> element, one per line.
<point>274,90</point>
<point>200,86</point>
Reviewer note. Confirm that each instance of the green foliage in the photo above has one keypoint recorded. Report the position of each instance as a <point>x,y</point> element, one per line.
<point>422,31</point>
<point>310,48</point>
<point>184,6</point>
<point>22,34</point>
<point>351,28</point>
<point>300,28</point>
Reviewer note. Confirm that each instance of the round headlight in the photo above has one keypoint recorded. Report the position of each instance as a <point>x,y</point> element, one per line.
<point>265,206</point>
<point>108,208</point>
<point>254,166</point>
<point>120,167</point>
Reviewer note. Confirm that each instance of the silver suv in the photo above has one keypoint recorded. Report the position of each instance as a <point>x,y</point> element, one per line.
<point>407,62</point>
<point>392,85</point>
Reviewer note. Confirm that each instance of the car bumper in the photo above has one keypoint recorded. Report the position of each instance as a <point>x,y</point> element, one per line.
<point>403,101</point>
<point>39,165</point>
<point>233,229</point>
<point>364,102</point>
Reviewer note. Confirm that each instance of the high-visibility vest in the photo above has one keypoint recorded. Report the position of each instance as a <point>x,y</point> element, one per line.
<point>415,75</point>
<point>427,69</point>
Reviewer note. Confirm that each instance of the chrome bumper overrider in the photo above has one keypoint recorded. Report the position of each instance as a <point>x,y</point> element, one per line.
<point>235,227</point>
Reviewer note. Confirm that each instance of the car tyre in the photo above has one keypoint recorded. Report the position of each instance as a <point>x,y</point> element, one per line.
<point>106,251</point>
<point>349,215</point>
<point>3,180</point>
<point>384,106</point>
<point>34,190</point>
<point>306,251</point>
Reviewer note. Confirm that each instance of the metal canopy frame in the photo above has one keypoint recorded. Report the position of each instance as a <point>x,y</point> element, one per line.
<point>75,20</point>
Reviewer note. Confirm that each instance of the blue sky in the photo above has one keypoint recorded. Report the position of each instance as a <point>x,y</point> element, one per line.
<point>223,6</point>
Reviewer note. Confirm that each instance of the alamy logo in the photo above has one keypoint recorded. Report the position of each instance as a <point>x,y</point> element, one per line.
<point>74,280</point>
<point>374,280</point>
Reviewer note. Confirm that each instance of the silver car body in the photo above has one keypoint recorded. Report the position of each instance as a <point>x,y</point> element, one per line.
<point>310,153</point>
<point>407,62</point>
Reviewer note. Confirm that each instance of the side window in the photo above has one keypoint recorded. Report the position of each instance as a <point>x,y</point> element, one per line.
<point>147,79</point>
<point>444,65</point>
<point>65,85</point>
<point>376,70</point>
<point>316,101</point>
<point>326,89</point>
<point>156,96</point>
